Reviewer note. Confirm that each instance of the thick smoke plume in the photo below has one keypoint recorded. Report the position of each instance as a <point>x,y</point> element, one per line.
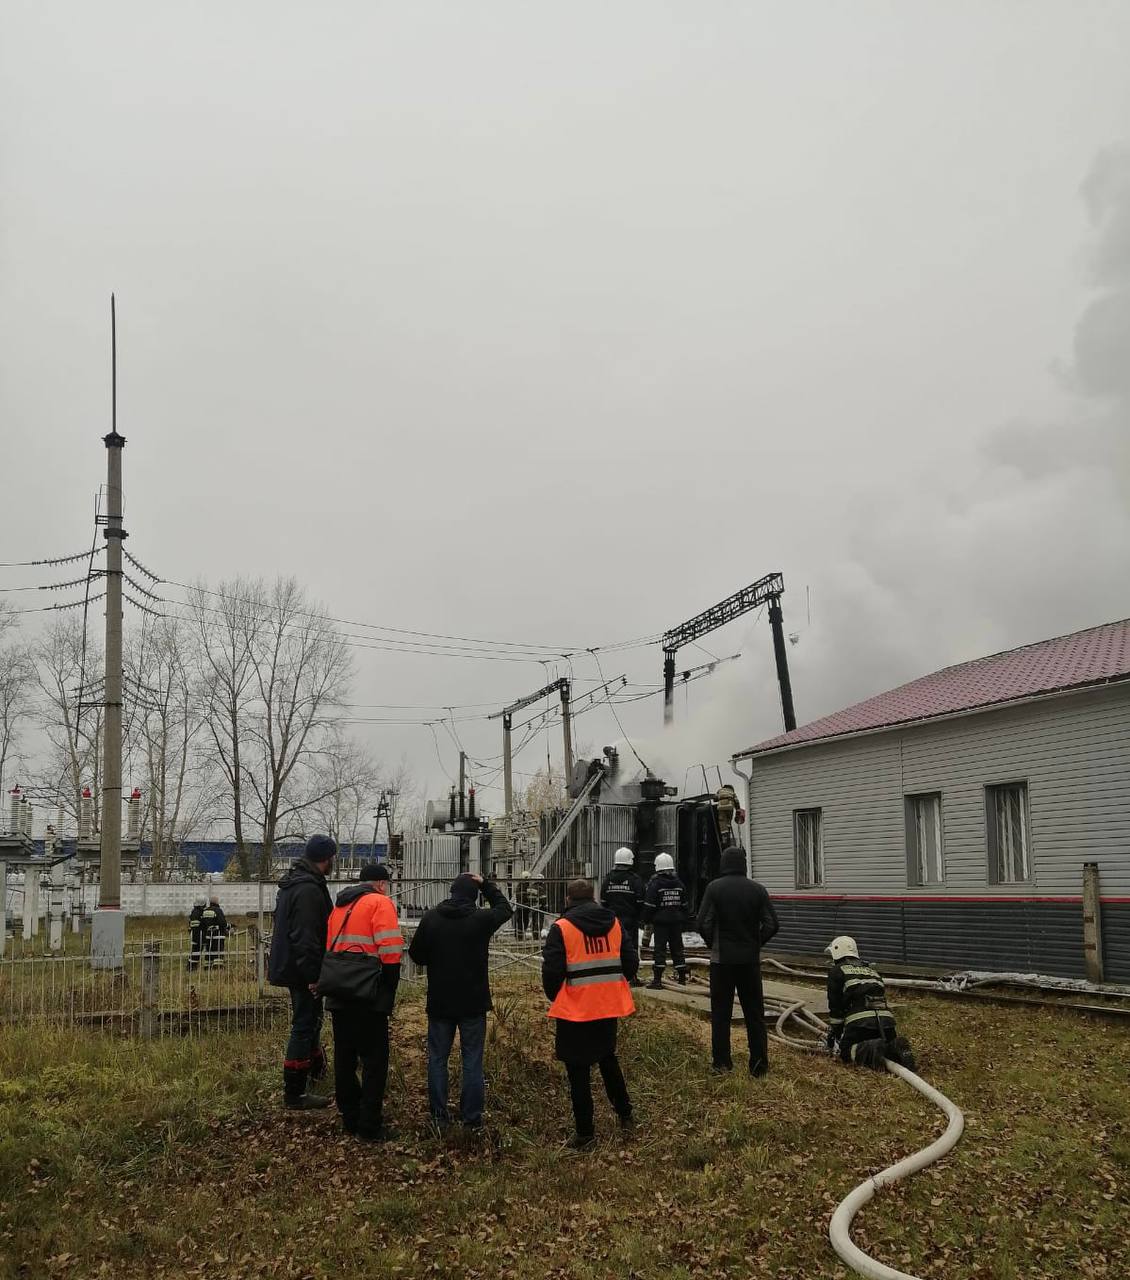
<point>1030,538</point>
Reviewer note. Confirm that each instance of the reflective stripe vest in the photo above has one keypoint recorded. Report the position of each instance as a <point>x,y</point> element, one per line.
<point>594,986</point>
<point>372,930</point>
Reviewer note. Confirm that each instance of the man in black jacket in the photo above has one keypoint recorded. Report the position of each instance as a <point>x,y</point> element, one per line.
<point>302,910</point>
<point>195,931</point>
<point>736,919</point>
<point>452,942</point>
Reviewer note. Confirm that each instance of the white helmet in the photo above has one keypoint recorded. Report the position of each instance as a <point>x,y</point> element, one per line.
<point>842,946</point>
<point>623,857</point>
<point>665,862</point>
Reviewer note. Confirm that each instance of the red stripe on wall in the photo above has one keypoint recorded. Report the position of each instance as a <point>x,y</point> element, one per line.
<point>927,897</point>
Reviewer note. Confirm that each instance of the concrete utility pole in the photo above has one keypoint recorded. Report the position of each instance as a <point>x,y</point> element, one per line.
<point>507,765</point>
<point>107,944</point>
<point>567,729</point>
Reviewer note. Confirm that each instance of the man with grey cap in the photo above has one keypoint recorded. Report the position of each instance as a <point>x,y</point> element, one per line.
<point>302,910</point>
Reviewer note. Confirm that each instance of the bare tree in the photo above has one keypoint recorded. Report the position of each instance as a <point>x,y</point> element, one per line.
<point>17,674</point>
<point>302,670</point>
<point>228,622</point>
<point>161,660</point>
<point>405,796</point>
<point>348,781</point>
<point>71,716</point>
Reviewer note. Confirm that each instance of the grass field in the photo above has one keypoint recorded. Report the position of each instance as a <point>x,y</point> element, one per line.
<point>172,1158</point>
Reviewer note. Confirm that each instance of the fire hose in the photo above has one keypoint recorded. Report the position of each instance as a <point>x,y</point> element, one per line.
<point>839,1230</point>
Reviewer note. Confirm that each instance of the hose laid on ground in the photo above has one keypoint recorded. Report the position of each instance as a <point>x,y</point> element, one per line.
<point>839,1231</point>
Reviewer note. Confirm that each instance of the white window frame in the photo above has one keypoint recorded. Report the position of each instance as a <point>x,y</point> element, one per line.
<point>808,853</point>
<point>1006,826</point>
<point>924,819</point>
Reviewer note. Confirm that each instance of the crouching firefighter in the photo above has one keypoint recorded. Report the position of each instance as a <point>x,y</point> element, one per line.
<point>862,1027</point>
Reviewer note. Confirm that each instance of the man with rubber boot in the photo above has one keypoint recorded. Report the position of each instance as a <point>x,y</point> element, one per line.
<point>302,910</point>
<point>862,1028</point>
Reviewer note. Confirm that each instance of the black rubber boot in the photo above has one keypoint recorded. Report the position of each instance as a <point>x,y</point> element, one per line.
<point>681,974</point>
<point>305,1102</point>
<point>580,1142</point>
<point>656,982</point>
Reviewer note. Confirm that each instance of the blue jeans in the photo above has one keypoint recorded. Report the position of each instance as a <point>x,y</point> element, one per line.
<point>441,1036</point>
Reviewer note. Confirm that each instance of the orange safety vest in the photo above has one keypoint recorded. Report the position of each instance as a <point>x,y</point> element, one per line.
<point>373,928</point>
<point>594,986</point>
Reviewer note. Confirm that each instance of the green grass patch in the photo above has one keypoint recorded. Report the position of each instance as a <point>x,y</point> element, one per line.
<point>173,1158</point>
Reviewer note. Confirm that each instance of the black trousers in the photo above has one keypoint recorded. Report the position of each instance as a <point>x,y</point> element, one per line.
<point>580,1091</point>
<point>668,935</point>
<point>360,1036</point>
<point>726,980</point>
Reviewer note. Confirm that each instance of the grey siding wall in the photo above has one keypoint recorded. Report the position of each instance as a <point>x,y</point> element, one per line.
<point>1073,751</point>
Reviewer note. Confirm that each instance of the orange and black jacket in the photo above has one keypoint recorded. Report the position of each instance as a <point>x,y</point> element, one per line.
<point>364,921</point>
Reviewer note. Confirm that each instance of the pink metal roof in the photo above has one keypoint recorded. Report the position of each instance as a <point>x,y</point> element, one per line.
<point>1094,656</point>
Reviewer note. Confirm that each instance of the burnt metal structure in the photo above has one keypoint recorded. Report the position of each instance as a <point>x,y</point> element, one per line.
<point>767,590</point>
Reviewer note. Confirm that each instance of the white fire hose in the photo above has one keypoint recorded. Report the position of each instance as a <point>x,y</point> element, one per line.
<point>839,1230</point>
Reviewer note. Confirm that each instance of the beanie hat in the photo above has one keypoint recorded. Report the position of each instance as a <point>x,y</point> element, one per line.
<point>465,888</point>
<point>374,871</point>
<point>320,849</point>
<point>733,859</point>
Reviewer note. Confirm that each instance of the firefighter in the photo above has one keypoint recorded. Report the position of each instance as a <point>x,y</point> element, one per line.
<point>622,893</point>
<point>727,800</point>
<point>194,932</point>
<point>666,907</point>
<point>215,929</point>
<point>531,907</point>
<point>587,962</point>
<point>862,1027</point>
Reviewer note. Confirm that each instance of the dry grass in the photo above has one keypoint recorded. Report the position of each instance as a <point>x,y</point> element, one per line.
<point>172,1158</point>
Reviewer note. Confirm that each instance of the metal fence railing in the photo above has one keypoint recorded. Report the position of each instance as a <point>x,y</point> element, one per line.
<point>166,988</point>
<point>163,988</point>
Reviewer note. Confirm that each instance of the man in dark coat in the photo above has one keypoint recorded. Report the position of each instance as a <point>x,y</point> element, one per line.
<point>302,910</point>
<point>736,919</point>
<point>665,907</point>
<point>582,1040</point>
<point>452,942</point>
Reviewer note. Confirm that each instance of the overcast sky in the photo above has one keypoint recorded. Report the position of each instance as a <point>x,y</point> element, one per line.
<point>558,322</point>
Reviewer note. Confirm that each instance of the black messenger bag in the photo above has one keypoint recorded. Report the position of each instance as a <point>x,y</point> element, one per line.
<point>349,976</point>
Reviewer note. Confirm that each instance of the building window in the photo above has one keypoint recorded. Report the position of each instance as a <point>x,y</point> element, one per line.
<point>1006,816</point>
<point>808,841</point>
<point>924,859</point>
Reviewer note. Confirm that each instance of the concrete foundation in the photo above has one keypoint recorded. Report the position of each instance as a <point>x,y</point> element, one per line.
<point>108,938</point>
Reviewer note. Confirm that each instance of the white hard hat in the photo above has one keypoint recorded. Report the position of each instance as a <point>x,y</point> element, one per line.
<point>842,946</point>
<point>623,857</point>
<point>665,862</point>
<point>525,875</point>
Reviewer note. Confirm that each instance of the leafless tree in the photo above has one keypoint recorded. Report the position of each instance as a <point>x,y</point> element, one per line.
<point>228,622</point>
<point>17,675</point>
<point>71,714</point>
<point>302,669</point>
<point>168,719</point>
<point>348,781</point>
<point>405,798</point>
<point>274,669</point>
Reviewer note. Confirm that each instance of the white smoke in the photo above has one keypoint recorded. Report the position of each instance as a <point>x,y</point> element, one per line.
<point>1030,538</point>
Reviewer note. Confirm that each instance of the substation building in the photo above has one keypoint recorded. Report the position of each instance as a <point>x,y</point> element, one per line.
<point>976,818</point>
